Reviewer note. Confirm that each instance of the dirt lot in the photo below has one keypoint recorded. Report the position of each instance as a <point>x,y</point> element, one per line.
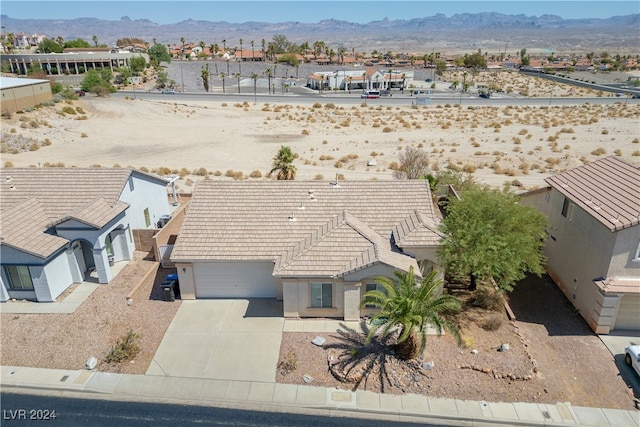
<point>553,357</point>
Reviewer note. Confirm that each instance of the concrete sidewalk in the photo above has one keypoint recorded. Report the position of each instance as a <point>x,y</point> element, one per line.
<point>296,398</point>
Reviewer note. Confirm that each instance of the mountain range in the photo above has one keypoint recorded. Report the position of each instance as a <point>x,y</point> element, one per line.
<point>467,31</point>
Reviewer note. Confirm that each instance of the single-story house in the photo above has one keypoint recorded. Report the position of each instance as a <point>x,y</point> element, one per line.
<point>593,248</point>
<point>317,246</point>
<point>59,224</point>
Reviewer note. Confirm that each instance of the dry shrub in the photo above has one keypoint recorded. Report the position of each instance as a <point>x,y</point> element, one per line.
<point>201,172</point>
<point>255,174</point>
<point>599,151</point>
<point>387,129</point>
<point>319,177</point>
<point>488,298</point>
<point>493,323</point>
<point>394,166</point>
<point>305,132</point>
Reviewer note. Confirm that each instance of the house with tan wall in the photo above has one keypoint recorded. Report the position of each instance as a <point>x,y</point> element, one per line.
<point>593,248</point>
<point>317,246</point>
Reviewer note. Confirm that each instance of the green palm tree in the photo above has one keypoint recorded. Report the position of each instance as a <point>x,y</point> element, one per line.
<point>411,306</point>
<point>283,163</point>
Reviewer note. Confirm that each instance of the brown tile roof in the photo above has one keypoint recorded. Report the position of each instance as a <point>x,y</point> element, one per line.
<point>35,199</point>
<point>302,226</point>
<point>619,285</point>
<point>417,229</point>
<point>608,189</point>
<point>23,227</point>
<point>343,245</point>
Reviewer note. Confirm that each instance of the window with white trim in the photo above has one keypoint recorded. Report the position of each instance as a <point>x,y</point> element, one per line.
<point>321,295</point>
<point>19,277</point>
<point>637,255</point>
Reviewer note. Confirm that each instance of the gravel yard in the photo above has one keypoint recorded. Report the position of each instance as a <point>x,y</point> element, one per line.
<point>553,357</point>
<point>66,341</point>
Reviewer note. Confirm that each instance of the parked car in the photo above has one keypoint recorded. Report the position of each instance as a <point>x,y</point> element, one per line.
<point>632,357</point>
<point>168,91</point>
<point>80,92</point>
<point>485,95</point>
<point>370,94</point>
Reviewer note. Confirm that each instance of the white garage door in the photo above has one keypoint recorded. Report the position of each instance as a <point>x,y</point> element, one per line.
<point>629,313</point>
<point>235,280</point>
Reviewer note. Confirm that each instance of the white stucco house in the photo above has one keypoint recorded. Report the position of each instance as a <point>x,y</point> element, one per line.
<point>59,224</point>
<point>317,246</point>
<point>593,248</point>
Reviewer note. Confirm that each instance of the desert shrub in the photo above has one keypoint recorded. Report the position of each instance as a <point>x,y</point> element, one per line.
<point>163,170</point>
<point>636,153</point>
<point>599,151</point>
<point>255,174</point>
<point>316,105</point>
<point>230,173</point>
<point>394,166</point>
<point>319,177</point>
<point>387,129</point>
<point>126,348</point>
<point>605,131</point>
<point>34,147</point>
<point>83,135</point>
<point>8,164</point>
<point>68,110</point>
<point>289,364</point>
<point>467,341</point>
<point>635,141</point>
<point>305,131</point>
<point>80,110</point>
<point>488,298</point>
<point>46,142</point>
<point>201,172</point>
<point>493,323</point>
<point>617,152</point>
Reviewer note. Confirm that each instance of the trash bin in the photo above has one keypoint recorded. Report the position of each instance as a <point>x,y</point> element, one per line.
<point>168,290</point>
<point>176,286</point>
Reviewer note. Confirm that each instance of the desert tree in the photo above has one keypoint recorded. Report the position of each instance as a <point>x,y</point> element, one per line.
<point>205,73</point>
<point>409,306</point>
<point>489,234</point>
<point>283,164</point>
<point>414,163</point>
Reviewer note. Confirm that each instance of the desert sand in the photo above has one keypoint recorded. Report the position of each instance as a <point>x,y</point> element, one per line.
<point>519,146</point>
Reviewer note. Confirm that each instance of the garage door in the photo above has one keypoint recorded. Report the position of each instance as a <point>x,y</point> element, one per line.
<point>629,313</point>
<point>235,280</point>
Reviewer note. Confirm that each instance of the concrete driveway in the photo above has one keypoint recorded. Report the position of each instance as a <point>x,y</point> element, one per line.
<point>222,339</point>
<point>616,342</point>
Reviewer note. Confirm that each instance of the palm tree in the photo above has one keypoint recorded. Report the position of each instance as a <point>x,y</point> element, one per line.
<point>283,163</point>
<point>411,307</point>
<point>254,76</point>
<point>262,43</point>
<point>238,77</point>
<point>223,76</point>
<point>95,40</point>
<point>182,47</point>
<point>239,63</point>
<point>268,73</point>
<point>253,52</point>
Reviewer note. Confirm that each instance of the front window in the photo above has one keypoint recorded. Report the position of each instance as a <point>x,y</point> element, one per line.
<point>19,277</point>
<point>107,243</point>
<point>321,295</point>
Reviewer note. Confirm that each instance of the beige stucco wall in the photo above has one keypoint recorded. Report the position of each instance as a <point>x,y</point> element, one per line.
<point>18,98</point>
<point>579,250</point>
<point>187,282</point>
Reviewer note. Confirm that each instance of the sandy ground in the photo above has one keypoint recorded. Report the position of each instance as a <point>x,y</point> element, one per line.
<point>516,145</point>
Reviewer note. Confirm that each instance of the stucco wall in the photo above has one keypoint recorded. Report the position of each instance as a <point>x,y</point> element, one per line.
<point>146,193</point>
<point>18,98</point>
<point>622,260</point>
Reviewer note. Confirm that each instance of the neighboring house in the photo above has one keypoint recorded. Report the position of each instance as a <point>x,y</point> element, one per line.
<point>59,224</point>
<point>317,246</point>
<point>593,248</point>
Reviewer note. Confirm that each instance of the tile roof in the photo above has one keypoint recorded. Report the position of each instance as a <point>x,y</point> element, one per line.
<point>608,189</point>
<point>301,226</point>
<point>417,230</point>
<point>33,200</point>
<point>626,285</point>
<point>342,246</point>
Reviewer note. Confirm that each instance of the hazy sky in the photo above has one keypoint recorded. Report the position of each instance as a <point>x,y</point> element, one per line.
<point>168,12</point>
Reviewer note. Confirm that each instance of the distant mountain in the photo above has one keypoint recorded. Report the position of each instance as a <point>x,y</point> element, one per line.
<point>486,31</point>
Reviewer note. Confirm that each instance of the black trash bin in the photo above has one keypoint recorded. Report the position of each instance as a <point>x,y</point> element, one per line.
<point>168,290</point>
<point>176,286</point>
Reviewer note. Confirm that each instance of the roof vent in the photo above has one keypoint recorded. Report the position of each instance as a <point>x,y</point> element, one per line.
<point>336,184</point>
<point>8,178</point>
<point>301,207</point>
<point>13,187</point>
<point>292,217</point>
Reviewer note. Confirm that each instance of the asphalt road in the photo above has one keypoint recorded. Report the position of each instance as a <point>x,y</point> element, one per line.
<point>31,409</point>
<point>354,98</point>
